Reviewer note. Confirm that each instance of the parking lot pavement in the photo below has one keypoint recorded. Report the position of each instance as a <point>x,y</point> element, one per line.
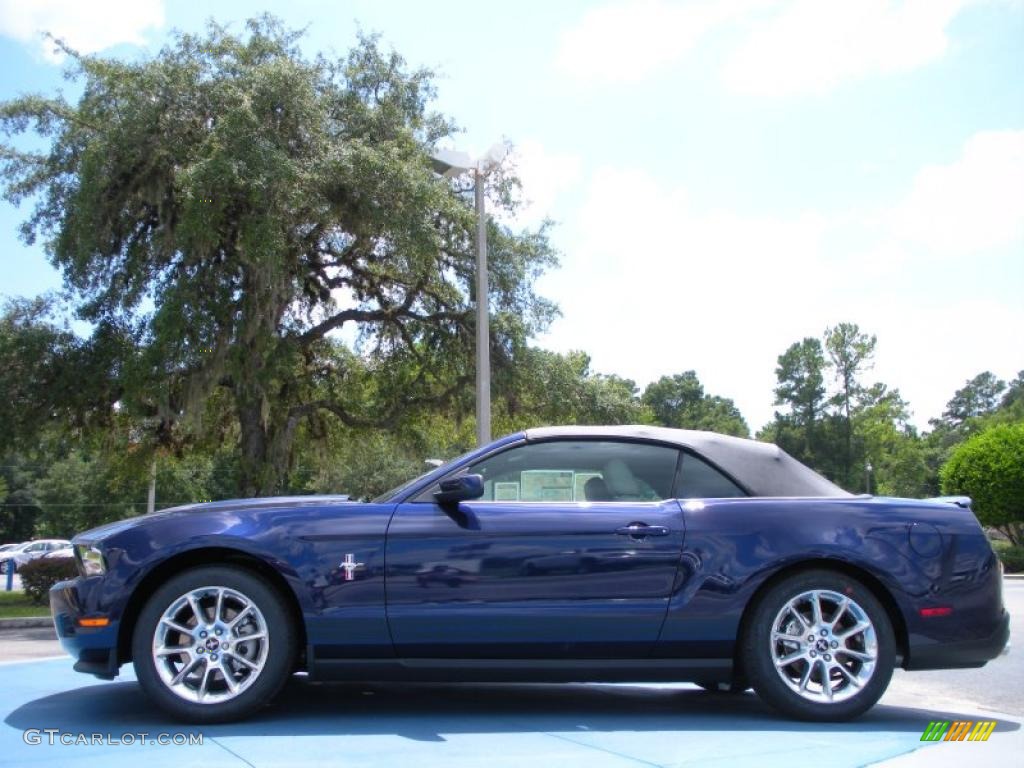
<point>469,725</point>
<point>22,644</point>
<point>507,725</point>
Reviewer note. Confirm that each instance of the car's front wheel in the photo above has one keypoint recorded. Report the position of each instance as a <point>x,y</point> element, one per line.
<point>819,646</point>
<point>214,643</point>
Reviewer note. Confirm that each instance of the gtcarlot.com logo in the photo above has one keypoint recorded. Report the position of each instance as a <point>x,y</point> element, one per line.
<point>52,736</point>
<point>958,730</point>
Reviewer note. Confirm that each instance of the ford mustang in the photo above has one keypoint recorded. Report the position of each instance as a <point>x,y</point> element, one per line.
<point>555,554</point>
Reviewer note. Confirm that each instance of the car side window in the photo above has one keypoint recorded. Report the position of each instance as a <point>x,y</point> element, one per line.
<point>700,480</point>
<point>576,471</point>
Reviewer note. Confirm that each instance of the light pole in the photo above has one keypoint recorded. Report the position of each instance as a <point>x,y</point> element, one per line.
<point>450,163</point>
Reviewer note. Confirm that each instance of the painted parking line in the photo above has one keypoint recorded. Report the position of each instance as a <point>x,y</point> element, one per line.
<point>422,726</point>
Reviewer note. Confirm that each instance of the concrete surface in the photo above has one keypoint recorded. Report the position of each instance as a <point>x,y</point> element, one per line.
<point>25,622</point>
<point>24,643</point>
<point>507,725</point>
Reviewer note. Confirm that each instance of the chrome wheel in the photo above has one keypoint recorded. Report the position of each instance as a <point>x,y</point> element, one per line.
<point>824,646</point>
<point>210,645</point>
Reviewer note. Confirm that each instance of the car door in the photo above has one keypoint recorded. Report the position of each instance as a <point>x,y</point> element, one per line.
<point>720,536</point>
<point>570,553</point>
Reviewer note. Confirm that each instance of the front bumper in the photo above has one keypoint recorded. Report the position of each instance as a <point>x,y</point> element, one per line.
<point>94,649</point>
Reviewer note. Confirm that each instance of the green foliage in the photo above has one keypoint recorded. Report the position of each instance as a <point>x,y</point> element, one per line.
<point>850,353</point>
<point>977,397</point>
<point>263,201</point>
<point>37,576</point>
<point>40,372</point>
<point>680,401</point>
<point>801,389</point>
<point>859,435</point>
<point>18,506</point>
<point>892,447</point>
<point>1012,558</point>
<point>551,388</point>
<point>366,465</point>
<point>989,468</point>
<point>1014,393</point>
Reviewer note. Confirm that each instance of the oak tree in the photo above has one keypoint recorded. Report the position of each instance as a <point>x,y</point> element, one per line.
<point>233,206</point>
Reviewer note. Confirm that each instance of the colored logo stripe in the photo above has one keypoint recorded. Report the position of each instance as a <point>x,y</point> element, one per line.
<point>982,730</point>
<point>958,730</point>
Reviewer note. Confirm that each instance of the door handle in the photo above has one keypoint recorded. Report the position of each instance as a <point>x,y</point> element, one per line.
<point>640,530</point>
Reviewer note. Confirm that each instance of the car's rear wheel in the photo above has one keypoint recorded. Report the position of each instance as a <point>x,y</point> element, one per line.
<point>819,646</point>
<point>214,643</point>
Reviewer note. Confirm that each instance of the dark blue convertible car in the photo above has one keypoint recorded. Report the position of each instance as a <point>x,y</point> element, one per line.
<point>557,554</point>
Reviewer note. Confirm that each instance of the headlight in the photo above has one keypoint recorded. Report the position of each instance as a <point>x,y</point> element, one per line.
<point>90,560</point>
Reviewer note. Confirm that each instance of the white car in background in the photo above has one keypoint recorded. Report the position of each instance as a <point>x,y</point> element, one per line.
<point>30,550</point>
<point>64,551</point>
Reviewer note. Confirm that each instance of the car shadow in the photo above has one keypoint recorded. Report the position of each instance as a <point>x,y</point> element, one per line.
<point>422,712</point>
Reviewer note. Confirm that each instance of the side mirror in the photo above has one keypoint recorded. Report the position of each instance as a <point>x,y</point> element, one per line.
<point>462,488</point>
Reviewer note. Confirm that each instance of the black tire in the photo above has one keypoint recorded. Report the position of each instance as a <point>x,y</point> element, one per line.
<point>280,653</point>
<point>759,653</point>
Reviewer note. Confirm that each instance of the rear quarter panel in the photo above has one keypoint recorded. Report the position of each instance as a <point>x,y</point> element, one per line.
<point>732,547</point>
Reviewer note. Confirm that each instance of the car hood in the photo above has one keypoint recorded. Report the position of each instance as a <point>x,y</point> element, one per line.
<point>215,507</point>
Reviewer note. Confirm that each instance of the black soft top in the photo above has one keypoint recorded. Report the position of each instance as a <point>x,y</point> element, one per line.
<point>763,469</point>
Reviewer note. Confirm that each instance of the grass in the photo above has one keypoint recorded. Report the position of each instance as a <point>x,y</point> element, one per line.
<point>1000,545</point>
<point>16,605</point>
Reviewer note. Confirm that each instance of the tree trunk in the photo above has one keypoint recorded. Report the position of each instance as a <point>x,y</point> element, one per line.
<point>266,443</point>
<point>253,448</point>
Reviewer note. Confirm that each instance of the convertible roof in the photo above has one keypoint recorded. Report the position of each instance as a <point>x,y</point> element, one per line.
<point>764,469</point>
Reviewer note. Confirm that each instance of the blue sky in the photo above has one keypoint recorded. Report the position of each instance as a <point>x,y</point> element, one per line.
<point>727,177</point>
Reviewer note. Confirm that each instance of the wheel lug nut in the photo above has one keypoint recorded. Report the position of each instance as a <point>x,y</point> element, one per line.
<point>213,657</point>
<point>828,657</point>
<point>199,649</point>
<point>810,638</point>
<point>813,654</point>
<point>224,646</point>
<point>824,632</point>
<point>203,633</point>
<point>218,632</point>
<point>835,644</point>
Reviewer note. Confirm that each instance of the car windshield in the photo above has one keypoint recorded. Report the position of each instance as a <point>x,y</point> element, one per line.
<point>409,483</point>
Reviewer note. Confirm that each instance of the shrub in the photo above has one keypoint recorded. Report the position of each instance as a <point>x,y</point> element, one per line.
<point>999,546</point>
<point>37,576</point>
<point>1013,559</point>
<point>990,469</point>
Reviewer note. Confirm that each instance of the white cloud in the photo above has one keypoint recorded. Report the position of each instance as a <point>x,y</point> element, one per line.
<point>628,40</point>
<point>786,47</point>
<point>657,284</point>
<point>810,46</point>
<point>973,204</point>
<point>86,26</point>
<point>545,175</point>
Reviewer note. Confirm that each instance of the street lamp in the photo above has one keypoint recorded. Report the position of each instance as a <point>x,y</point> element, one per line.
<point>451,163</point>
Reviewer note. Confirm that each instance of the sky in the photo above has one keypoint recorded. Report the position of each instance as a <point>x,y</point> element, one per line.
<point>726,178</point>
